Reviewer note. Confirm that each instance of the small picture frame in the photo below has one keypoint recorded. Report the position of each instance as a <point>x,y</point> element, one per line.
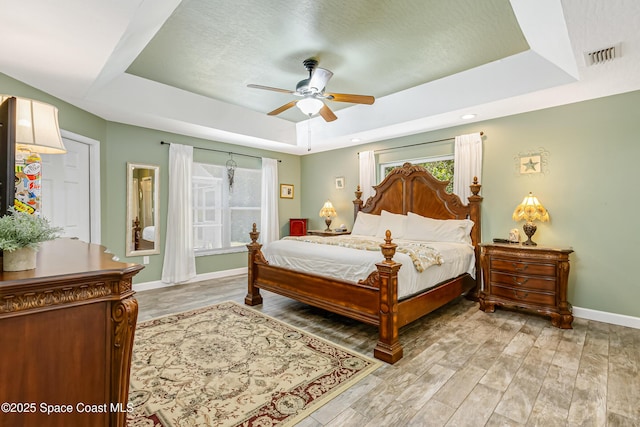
<point>340,182</point>
<point>533,163</point>
<point>286,191</point>
<point>530,164</point>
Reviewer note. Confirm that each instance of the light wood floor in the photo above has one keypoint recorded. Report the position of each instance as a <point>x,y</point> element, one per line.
<point>461,367</point>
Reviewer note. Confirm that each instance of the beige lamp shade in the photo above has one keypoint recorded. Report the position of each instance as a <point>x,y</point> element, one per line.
<point>37,126</point>
<point>328,211</point>
<point>530,210</point>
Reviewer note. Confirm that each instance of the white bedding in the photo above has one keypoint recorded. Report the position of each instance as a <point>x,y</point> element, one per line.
<point>353,264</point>
<point>149,233</point>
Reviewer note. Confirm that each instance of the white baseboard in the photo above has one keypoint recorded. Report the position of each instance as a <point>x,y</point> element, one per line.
<point>603,316</point>
<point>156,284</point>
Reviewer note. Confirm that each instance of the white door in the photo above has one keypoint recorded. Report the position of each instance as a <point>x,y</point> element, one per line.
<point>66,190</point>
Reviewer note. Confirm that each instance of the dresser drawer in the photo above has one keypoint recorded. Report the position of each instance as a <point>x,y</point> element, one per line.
<point>517,266</point>
<point>523,281</point>
<point>523,295</point>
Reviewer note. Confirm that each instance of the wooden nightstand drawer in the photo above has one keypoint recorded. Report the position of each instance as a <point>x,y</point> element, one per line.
<point>518,266</point>
<point>523,295</point>
<point>524,282</point>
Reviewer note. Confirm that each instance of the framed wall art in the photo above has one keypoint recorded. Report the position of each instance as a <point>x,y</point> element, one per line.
<point>533,162</point>
<point>286,191</point>
<point>340,182</point>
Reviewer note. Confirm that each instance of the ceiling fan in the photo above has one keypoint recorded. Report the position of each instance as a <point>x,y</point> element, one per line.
<point>311,90</point>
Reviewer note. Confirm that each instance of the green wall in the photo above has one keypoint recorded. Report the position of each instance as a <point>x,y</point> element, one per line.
<point>593,151</point>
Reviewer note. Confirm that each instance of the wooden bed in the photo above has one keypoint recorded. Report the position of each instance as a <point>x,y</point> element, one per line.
<point>374,300</point>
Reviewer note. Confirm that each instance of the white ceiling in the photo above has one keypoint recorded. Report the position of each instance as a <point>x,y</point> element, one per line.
<point>183,66</point>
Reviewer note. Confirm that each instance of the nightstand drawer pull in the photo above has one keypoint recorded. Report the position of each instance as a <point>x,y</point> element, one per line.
<point>524,296</point>
<point>516,282</point>
<point>520,267</point>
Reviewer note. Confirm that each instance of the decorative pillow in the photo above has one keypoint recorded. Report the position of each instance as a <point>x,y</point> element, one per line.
<point>397,223</point>
<point>366,224</point>
<point>438,230</point>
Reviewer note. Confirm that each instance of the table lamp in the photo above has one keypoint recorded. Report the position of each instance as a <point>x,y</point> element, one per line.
<point>328,212</point>
<point>530,210</point>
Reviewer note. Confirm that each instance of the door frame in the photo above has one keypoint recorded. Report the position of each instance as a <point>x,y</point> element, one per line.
<point>94,182</point>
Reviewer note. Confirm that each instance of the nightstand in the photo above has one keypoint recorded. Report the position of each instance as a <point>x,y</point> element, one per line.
<point>327,233</point>
<point>533,278</point>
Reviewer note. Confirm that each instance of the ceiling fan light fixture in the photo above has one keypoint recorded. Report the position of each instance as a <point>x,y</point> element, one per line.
<point>310,106</point>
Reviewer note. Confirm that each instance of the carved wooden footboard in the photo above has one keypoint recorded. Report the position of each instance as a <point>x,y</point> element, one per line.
<point>373,300</point>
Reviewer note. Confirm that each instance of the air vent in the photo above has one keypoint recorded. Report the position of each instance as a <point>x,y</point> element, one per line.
<point>602,55</point>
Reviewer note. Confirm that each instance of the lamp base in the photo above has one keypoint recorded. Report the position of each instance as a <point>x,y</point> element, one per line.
<point>328,222</point>
<point>529,229</point>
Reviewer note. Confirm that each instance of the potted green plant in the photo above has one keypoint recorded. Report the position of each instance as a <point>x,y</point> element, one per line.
<point>20,236</point>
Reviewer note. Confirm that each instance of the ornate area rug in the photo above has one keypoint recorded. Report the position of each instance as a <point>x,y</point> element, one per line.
<point>229,365</point>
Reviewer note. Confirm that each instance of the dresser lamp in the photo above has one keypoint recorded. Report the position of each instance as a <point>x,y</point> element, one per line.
<point>25,124</point>
<point>36,126</point>
<point>328,212</point>
<point>530,210</point>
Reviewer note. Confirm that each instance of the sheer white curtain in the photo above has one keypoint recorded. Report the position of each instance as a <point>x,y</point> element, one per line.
<point>269,224</point>
<point>367,173</point>
<point>179,258</point>
<point>467,163</point>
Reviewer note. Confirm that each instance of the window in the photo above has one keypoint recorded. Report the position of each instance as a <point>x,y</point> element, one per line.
<point>440,167</point>
<point>222,215</point>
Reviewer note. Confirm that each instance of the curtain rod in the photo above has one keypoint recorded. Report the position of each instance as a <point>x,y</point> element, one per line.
<point>418,143</point>
<point>221,151</point>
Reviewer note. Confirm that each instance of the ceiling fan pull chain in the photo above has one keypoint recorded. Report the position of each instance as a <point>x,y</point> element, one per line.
<point>309,133</point>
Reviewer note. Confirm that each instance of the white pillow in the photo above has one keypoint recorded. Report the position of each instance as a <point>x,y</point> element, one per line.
<point>366,224</point>
<point>397,223</point>
<point>438,230</point>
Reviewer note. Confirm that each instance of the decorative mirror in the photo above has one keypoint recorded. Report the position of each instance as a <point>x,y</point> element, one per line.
<point>143,223</point>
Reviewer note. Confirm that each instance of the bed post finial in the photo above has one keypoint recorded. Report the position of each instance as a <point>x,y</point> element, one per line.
<point>358,192</point>
<point>475,187</point>
<point>388,248</point>
<point>357,203</point>
<point>254,234</point>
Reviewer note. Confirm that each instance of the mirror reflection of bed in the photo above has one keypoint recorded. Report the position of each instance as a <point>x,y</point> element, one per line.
<point>142,209</point>
<point>143,237</point>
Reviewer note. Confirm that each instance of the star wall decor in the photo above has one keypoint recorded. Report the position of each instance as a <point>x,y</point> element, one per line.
<point>533,162</point>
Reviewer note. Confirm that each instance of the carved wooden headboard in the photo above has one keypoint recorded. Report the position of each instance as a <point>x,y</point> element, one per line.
<point>412,188</point>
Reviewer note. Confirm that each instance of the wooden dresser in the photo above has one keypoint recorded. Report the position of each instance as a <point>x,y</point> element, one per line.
<point>66,336</point>
<point>534,278</point>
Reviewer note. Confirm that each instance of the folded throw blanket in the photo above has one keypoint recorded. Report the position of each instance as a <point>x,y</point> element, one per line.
<point>422,255</point>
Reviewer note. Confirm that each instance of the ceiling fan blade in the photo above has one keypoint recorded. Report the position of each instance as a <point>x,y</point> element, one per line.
<point>319,79</point>
<point>354,99</point>
<point>285,107</point>
<point>275,89</point>
<point>327,114</point>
